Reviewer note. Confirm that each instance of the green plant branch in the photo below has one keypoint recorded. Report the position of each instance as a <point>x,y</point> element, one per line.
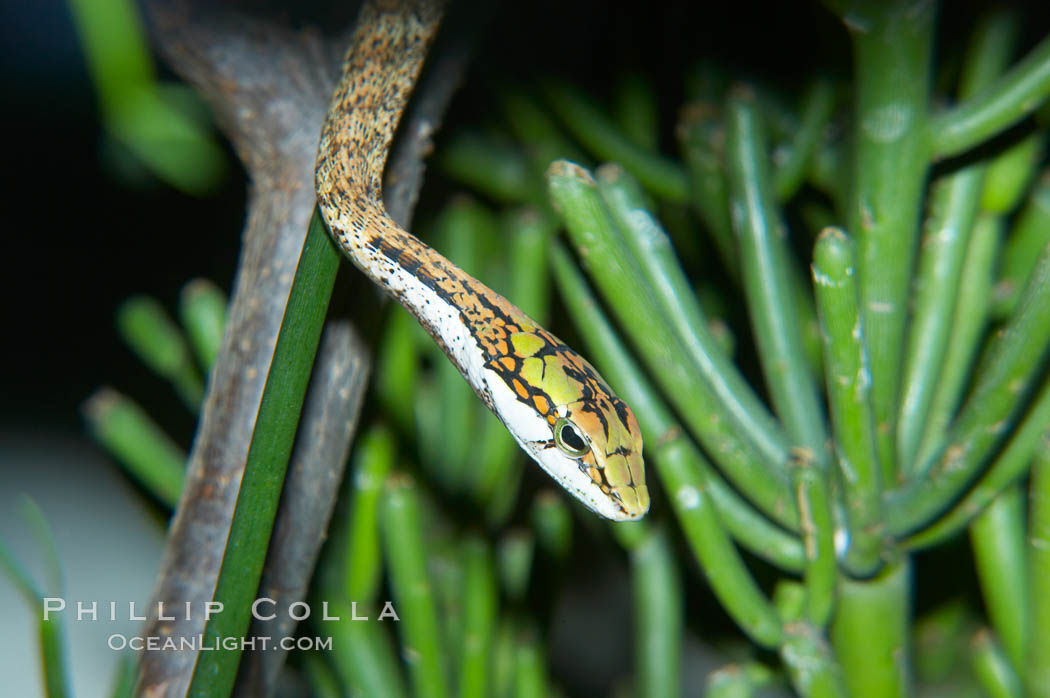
<point>1008,467</point>
<point>658,610</point>
<point>1013,364</point>
<point>891,47</point>
<point>404,548</point>
<point>651,247</point>
<point>373,460</point>
<point>143,448</point>
<point>267,461</point>
<point>953,204</point>
<point>848,382</point>
<point>870,632</point>
<point>1037,660</point>
<point>1009,99</point>
<point>480,609</point>
<point>767,280</point>
<point>967,327</point>
<point>991,667</point>
<point>997,535</point>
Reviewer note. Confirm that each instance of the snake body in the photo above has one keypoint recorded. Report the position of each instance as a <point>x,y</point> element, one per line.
<point>551,400</point>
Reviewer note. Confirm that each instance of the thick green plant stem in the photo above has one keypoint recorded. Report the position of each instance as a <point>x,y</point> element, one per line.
<point>1010,98</point>
<point>870,633</point>
<point>992,668</point>
<point>998,539</point>
<point>480,603</point>
<point>596,131</point>
<point>891,47</point>
<point>1009,466</point>
<point>658,616</point>
<point>267,461</point>
<point>145,451</point>
<point>1037,659</point>
<point>404,548</point>
<point>373,460</point>
<point>818,536</point>
<point>968,323</point>
<point>954,203</point>
<point>809,662</point>
<point>848,381</point>
<point>651,247</point>
<point>667,446</point>
<point>764,260</point>
<point>600,244</point>
<point>1013,362</point>
<point>202,311</point>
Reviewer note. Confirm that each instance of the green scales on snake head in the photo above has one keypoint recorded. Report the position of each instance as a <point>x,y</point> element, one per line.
<point>553,402</point>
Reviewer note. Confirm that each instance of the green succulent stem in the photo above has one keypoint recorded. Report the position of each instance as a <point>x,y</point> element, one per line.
<point>480,610</point>
<point>1008,467</point>
<point>996,107</point>
<point>848,381</point>
<point>992,668</point>
<point>954,203</point>
<point>142,447</point>
<point>405,552</point>
<point>818,537</point>
<point>967,326</point>
<point>1013,363</point>
<point>892,44</point>
<point>1037,659</point>
<point>658,615</point>
<point>765,260</point>
<point>997,535</point>
<point>373,460</point>
<point>651,247</point>
<point>870,631</point>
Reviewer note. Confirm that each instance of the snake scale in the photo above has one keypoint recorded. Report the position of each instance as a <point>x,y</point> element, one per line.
<point>552,401</point>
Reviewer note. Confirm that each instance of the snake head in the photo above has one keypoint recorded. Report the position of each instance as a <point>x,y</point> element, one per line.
<point>569,420</point>
<point>601,439</point>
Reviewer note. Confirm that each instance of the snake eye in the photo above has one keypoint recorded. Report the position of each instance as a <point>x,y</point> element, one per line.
<point>569,438</point>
